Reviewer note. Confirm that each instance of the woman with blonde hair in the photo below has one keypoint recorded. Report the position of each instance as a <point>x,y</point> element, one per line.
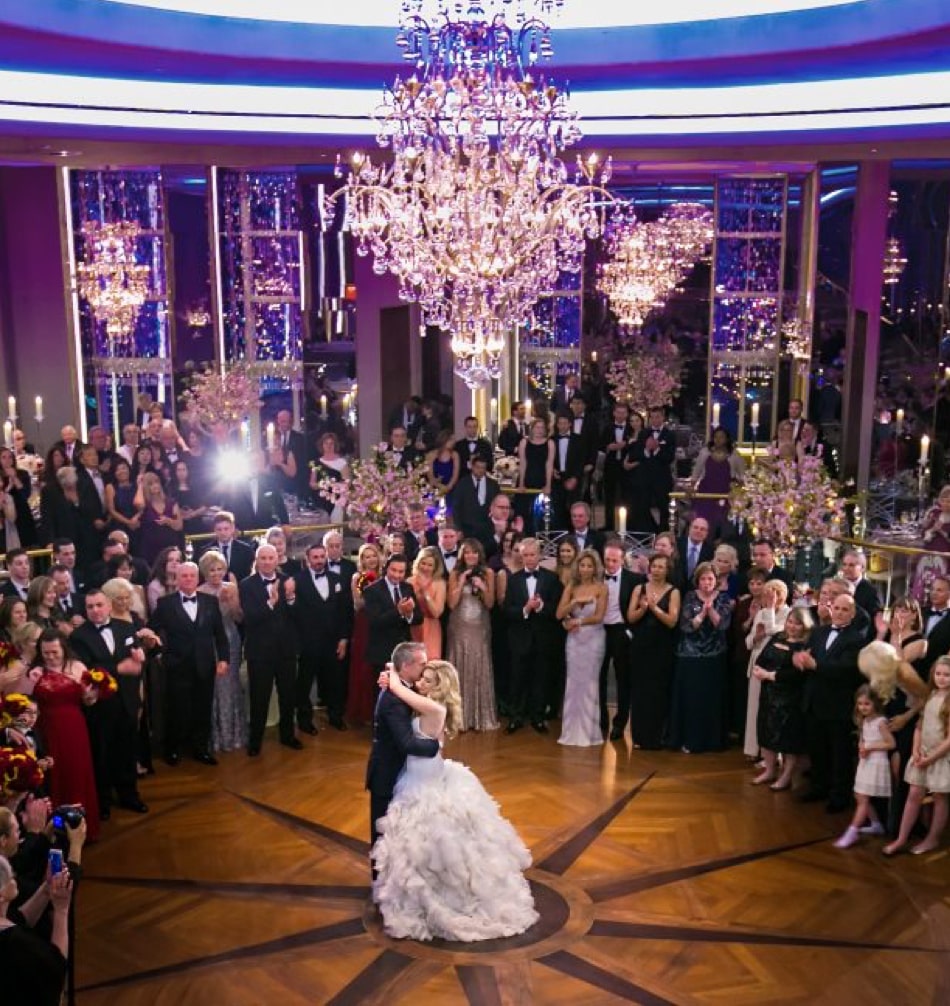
<point>769,620</point>
<point>449,866</point>
<point>161,521</point>
<point>428,581</point>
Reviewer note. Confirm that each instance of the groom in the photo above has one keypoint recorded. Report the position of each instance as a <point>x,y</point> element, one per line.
<point>393,738</point>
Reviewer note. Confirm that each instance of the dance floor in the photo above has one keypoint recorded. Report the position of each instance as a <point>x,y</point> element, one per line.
<point>660,878</point>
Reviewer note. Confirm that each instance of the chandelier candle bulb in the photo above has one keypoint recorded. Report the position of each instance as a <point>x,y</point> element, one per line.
<point>271,437</point>
<point>899,422</point>
<point>39,408</point>
<point>7,433</point>
<point>622,520</point>
<point>755,416</point>
<point>924,449</point>
<point>323,404</point>
<point>11,408</point>
<point>715,414</point>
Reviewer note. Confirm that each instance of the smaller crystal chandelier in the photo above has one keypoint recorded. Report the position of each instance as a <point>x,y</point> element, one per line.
<point>895,262</point>
<point>111,282</point>
<point>797,340</point>
<point>647,261</point>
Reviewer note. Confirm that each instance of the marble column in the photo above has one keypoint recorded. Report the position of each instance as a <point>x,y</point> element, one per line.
<point>868,236</point>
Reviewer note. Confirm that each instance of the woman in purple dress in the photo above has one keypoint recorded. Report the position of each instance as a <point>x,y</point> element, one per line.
<point>717,467</point>
<point>161,524</point>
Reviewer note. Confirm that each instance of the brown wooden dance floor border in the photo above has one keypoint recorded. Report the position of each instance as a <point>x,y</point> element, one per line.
<point>660,878</point>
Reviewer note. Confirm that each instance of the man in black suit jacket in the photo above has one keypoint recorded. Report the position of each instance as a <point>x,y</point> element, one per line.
<point>564,393</point>
<point>614,439</point>
<point>620,583</point>
<point>116,544</point>
<point>408,417</point>
<point>584,425</point>
<point>693,548</point>
<point>763,558</point>
<point>238,555</point>
<point>101,641</point>
<point>936,620</point>
<point>288,459</point>
<point>323,614</point>
<point>21,573</point>
<point>393,738</point>
<point>516,429</point>
<point>473,446</point>
<point>401,450</point>
<point>530,607</point>
<point>337,562</point>
<point>71,603</point>
<point>659,453</point>
<point>830,665</point>
<point>194,649</point>
<point>270,646</point>
<point>473,498</point>
<point>862,590</point>
<point>258,502</point>
<point>391,609</point>
<point>581,533</point>
<point>567,484</point>
<point>416,534</point>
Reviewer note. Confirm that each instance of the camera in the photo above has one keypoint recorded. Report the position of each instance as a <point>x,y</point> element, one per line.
<point>70,815</point>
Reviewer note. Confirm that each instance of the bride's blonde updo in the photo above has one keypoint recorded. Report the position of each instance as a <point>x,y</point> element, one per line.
<point>446,691</point>
<point>878,662</point>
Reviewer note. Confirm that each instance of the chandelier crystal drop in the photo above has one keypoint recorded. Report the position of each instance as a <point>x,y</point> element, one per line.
<point>647,261</point>
<point>477,214</point>
<point>111,281</point>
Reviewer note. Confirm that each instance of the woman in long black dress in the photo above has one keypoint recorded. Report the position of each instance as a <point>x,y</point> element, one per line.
<point>535,470</point>
<point>780,725</point>
<point>634,487</point>
<point>696,721</point>
<point>654,612</point>
<point>15,483</point>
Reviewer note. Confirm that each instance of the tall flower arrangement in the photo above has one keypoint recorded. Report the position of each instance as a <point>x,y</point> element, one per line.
<point>650,376</point>
<point>226,397</point>
<point>377,493</point>
<point>792,502</point>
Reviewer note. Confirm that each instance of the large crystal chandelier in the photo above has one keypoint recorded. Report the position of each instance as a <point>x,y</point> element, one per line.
<point>647,261</point>
<point>477,214</point>
<point>111,282</point>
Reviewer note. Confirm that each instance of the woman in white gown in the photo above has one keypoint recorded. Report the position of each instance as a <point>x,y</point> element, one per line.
<point>449,866</point>
<point>581,611</point>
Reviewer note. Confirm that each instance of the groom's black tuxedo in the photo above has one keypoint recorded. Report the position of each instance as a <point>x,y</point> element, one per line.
<point>393,740</point>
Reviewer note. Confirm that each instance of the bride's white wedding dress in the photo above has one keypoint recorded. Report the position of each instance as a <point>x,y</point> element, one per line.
<point>449,865</point>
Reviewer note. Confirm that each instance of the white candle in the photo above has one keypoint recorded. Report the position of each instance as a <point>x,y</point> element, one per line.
<point>271,437</point>
<point>323,404</point>
<point>899,422</point>
<point>494,410</point>
<point>755,415</point>
<point>946,373</point>
<point>245,433</point>
<point>11,407</point>
<point>7,433</point>
<point>593,356</point>
<point>924,449</point>
<point>715,420</point>
<point>39,408</point>
<point>622,520</point>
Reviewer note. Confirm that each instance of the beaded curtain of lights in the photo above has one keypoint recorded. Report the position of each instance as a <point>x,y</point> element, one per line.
<point>647,261</point>
<point>111,281</point>
<point>477,214</point>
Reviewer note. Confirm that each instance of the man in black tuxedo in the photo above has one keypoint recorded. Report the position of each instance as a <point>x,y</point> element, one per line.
<point>581,533</point>
<point>417,533</point>
<point>69,444</point>
<point>693,548</point>
<point>473,498</point>
<point>270,646</point>
<point>400,448</point>
<point>101,641</point>
<point>194,649</point>
<point>620,583</point>
<point>393,738</point>
<point>391,609</point>
<point>408,417</point>
<point>613,442</point>
<point>564,393</point>
<point>21,573</point>
<point>473,446</point>
<point>830,665</point>
<point>65,554</point>
<point>288,459</point>
<point>105,456</point>
<point>584,425</point>
<point>763,558</point>
<point>567,483</point>
<point>323,614</point>
<point>659,453</point>
<point>238,555</point>
<point>116,544</point>
<point>530,607</point>
<point>862,590</point>
<point>796,416</point>
<point>258,502</point>
<point>337,562</point>
<point>516,429</point>
<point>936,620</point>
<point>71,604</point>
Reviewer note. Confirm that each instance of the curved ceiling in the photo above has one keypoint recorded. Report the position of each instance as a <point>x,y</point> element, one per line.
<point>758,71</point>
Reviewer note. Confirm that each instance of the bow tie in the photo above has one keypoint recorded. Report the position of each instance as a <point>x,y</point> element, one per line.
<point>621,428</point>
<point>531,576</point>
<point>273,579</point>
<point>564,436</point>
<point>103,627</point>
<point>450,555</point>
<point>189,600</point>
<point>322,575</point>
<point>472,444</point>
<point>613,578</point>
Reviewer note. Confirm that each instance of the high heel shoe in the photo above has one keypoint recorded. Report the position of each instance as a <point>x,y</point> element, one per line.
<point>763,778</point>
<point>779,786</point>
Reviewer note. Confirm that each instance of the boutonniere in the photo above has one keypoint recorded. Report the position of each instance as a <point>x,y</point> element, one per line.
<point>130,641</point>
<point>336,589</point>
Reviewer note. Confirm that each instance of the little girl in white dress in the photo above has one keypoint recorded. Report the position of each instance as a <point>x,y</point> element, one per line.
<point>873,777</point>
<point>449,866</point>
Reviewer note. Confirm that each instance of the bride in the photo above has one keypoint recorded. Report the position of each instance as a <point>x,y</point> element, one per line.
<point>449,866</point>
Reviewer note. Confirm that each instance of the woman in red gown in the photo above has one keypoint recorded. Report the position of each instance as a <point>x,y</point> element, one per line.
<point>361,693</point>
<point>61,695</point>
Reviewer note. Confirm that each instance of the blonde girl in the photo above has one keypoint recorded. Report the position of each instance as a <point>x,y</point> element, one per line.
<point>873,777</point>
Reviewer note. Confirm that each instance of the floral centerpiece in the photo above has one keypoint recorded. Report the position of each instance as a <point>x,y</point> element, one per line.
<point>101,680</point>
<point>649,377</point>
<point>215,396</point>
<point>377,493</point>
<point>792,502</point>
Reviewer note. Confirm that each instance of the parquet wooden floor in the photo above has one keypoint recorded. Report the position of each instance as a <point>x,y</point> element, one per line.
<point>660,878</point>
